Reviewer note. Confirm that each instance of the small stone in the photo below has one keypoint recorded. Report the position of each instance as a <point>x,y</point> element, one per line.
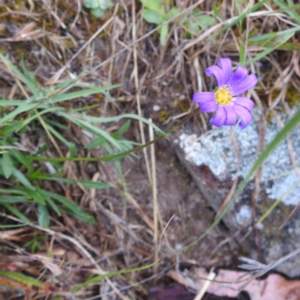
<point>156,108</point>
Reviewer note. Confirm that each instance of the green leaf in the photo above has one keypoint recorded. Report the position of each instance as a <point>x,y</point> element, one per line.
<point>12,226</point>
<point>95,143</point>
<point>123,129</point>
<point>263,37</point>
<point>33,244</point>
<point>244,15</point>
<point>12,199</point>
<point>53,206</point>
<point>164,30</point>
<point>98,278</point>
<point>91,4</point>
<point>23,179</point>
<point>86,183</point>
<point>43,217</point>
<point>72,149</point>
<point>15,191</point>
<point>292,13</point>
<point>153,17</point>
<point>94,185</point>
<point>35,115</point>
<point>36,196</point>
<point>205,21</point>
<point>93,129</point>
<point>29,281</point>
<point>42,149</point>
<point>7,165</point>
<point>5,103</point>
<point>215,10</point>
<point>281,37</point>
<point>105,4</point>
<point>72,208</point>
<point>14,127</point>
<point>200,19</point>
<point>97,12</point>
<point>172,13</point>
<point>119,117</point>
<point>81,93</point>
<point>24,107</point>
<point>100,141</point>
<point>153,5</point>
<point>27,81</point>
<point>16,212</point>
<point>192,28</point>
<point>29,75</point>
<point>242,55</point>
<point>80,215</point>
<point>71,146</point>
<point>20,157</point>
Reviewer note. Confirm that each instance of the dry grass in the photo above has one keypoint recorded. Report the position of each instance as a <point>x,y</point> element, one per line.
<point>60,40</point>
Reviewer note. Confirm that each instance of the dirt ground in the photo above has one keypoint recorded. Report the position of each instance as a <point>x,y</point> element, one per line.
<point>180,203</point>
<point>185,215</point>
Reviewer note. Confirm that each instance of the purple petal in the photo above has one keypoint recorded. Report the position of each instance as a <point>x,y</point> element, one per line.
<point>203,97</point>
<point>208,106</point>
<point>244,85</point>
<point>219,118</point>
<point>226,65</point>
<point>244,114</point>
<point>218,73</point>
<point>230,115</point>
<point>245,102</point>
<point>239,74</point>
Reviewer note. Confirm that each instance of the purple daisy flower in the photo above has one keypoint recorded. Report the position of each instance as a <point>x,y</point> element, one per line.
<point>225,99</point>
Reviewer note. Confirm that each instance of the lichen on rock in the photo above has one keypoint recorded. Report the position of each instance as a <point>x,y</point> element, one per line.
<point>216,150</point>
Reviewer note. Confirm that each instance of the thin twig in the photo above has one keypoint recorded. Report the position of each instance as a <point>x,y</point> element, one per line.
<point>136,82</point>
<point>155,202</point>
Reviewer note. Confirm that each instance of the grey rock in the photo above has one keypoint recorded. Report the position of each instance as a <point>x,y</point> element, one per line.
<point>214,163</point>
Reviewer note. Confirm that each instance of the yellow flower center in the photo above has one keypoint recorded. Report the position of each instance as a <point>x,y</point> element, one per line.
<point>223,96</point>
